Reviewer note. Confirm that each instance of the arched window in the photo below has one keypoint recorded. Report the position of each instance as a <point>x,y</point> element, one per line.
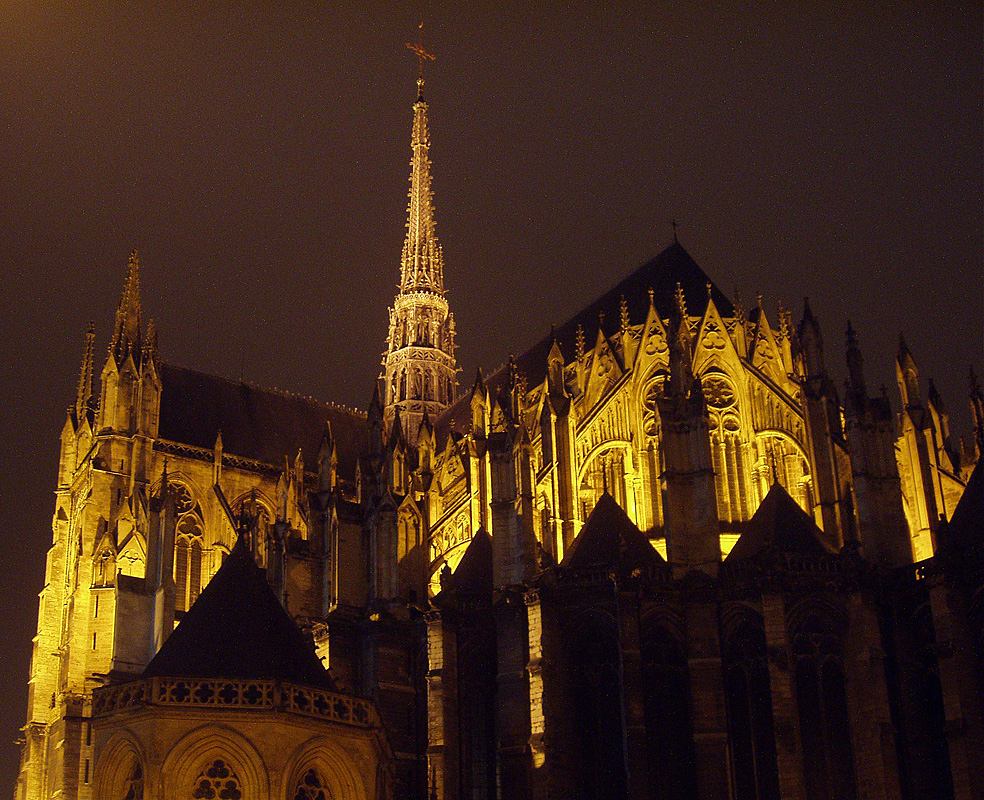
<point>748,695</point>
<point>594,663</point>
<point>828,757</point>
<point>217,781</point>
<point>133,787</point>
<point>311,786</point>
<point>188,548</point>
<point>666,702</point>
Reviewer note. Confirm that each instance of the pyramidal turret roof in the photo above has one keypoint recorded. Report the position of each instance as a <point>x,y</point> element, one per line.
<point>473,575</point>
<point>608,539</point>
<point>781,525</point>
<point>238,629</point>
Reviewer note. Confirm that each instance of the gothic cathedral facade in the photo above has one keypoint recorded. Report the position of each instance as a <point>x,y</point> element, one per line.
<point>658,555</point>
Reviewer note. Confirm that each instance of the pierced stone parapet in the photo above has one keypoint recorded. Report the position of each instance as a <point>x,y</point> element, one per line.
<point>238,694</point>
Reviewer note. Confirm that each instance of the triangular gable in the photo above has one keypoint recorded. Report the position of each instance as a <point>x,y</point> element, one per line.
<point>765,351</point>
<point>604,370</point>
<point>655,342</point>
<point>713,341</point>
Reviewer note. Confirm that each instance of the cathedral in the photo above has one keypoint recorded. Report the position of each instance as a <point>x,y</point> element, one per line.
<point>659,555</point>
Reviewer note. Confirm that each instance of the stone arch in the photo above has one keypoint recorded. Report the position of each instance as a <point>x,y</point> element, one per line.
<point>116,765</point>
<point>341,775</point>
<point>191,754</point>
<point>782,455</point>
<point>605,467</point>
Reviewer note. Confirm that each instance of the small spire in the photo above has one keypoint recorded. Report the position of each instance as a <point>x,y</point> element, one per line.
<point>624,310</point>
<point>580,342</point>
<point>673,224</point>
<point>83,396</point>
<point>681,301</point>
<point>126,331</point>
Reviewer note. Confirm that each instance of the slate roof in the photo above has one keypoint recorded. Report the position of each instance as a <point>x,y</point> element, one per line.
<point>473,575</point>
<point>238,629</point>
<point>781,525</point>
<point>258,424</point>
<point>608,539</point>
<point>661,274</point>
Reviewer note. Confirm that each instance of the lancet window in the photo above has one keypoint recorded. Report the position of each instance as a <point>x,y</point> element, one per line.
<point>666,703</point>
<point>189,545</point>
<point>755,774</point>
<point>591,641</point>
<point>217,781</point>
<point>824,721</point>
<point>604,473</point>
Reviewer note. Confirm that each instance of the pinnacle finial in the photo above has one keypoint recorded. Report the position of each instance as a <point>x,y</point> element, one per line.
<point>83,396</point>
<point>126,331</point>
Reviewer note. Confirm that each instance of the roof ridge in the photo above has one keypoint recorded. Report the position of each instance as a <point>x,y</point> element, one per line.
<point>285,393</point>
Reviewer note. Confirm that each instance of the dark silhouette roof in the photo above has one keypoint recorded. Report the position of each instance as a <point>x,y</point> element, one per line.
<point>964,532</point>
<point>238,629</point>
<point>608,539</point>
<point>781,525</point>
<point>473,575</point>
<point>661,274</point>
<point>258,424</point>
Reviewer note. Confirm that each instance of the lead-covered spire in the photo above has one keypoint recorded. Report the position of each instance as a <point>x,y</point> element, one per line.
<point>422,266</point>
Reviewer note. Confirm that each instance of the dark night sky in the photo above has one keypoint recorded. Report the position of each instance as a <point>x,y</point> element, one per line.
<point>258,158</point>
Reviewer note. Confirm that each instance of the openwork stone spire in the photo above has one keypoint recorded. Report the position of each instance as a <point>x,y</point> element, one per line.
<point>422,267</point>
<point>418,367</point>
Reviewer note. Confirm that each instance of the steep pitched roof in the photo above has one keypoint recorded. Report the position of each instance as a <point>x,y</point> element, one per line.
<point>608,539</point>
<point>781,525</point>
<point>256,423</point>
<point>238,629</point>
<point>473,575</point>
<point>661,274</point>
<point>965,530</point>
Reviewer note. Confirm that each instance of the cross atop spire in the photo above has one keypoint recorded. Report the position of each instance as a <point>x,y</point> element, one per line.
<point>421,54</point>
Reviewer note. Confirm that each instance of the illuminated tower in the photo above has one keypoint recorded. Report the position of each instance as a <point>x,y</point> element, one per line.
<point>418,366</point>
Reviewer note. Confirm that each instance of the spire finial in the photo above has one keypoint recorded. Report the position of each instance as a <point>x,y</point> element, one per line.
<point>83,397</point>
<point>673,224</point>
<point>421,54</point>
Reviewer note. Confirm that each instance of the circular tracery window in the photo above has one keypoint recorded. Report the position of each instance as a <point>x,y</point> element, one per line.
<point>718,392</point>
